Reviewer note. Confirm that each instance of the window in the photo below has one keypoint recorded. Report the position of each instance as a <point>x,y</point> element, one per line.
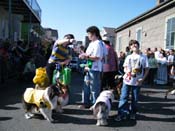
<point>170,33</point>
<point>119,43</point>
<point>139,35</point>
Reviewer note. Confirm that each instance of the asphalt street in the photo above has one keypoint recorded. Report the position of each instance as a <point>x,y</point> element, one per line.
<point>155,114</point>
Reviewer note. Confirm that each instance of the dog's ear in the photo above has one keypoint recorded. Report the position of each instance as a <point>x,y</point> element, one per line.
<point>56,89</point>
<point>59,89</point>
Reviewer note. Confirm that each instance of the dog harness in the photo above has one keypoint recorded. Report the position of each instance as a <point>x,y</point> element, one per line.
<point>35,96</point>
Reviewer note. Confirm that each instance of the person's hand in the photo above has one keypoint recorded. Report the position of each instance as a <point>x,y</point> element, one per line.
<point>66,62</point>
<point>83,56</point>
<point>72,40</point>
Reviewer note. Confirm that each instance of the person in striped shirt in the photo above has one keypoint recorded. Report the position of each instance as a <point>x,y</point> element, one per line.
<point>60,54</point>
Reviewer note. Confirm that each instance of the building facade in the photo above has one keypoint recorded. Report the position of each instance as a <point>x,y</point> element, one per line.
<point>154,28</point>
<point>110,33</point>
<point>17,19</point>
<point>50,34</point>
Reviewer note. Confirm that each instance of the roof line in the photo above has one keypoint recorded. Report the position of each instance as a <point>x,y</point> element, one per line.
<point>146,14</point>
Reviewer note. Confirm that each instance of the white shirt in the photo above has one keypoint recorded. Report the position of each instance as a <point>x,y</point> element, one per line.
<point>96,49</point>
<point>157,54</point>
<point>171,58</point>
<point>162,60</point>
<point>134,68</point>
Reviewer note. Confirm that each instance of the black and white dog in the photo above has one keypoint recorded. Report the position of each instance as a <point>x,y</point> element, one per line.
<point>102,107</point>
<point>43,101</point>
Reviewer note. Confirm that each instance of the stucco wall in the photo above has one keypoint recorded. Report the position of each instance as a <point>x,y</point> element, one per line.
<point>153,31</point>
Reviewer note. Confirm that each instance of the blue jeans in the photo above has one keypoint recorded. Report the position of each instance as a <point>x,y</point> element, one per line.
<point>92,87</point>
<point>123,107</point>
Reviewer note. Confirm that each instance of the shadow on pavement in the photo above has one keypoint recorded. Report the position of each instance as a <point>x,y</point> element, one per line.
<point>63,118</point>
<point>88,121</point>
<point>10,108</point>
<point>161,109</point>
<point>5,118</point>
<point>77,112</point>
<point>142,117</point>
<point>126,123</point>
<point>11,94</point>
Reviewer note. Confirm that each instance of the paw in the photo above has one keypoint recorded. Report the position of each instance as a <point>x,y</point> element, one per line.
<point>60,110</point>
<point>28,115</point>
<point>98,124</point>
<point>91,108</point>
<point>172,92</point>
<point>104,123</point>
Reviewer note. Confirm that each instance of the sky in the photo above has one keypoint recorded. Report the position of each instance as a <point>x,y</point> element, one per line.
<point>75,16</point>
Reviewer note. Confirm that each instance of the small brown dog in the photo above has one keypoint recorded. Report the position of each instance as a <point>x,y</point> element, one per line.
<point>63,98</point>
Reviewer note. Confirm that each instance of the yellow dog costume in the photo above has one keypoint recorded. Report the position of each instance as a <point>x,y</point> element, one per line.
<point>35,96</point>
<point>41,79</point>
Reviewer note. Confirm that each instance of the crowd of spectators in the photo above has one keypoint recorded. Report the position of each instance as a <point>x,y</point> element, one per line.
<point>20,59</point>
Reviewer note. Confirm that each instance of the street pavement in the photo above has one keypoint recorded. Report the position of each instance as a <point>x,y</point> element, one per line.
<point>155,114</point>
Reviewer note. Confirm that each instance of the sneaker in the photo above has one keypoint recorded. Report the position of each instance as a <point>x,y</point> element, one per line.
<point>133,117</point>
<point>118,118</point>
<point>124,117</point>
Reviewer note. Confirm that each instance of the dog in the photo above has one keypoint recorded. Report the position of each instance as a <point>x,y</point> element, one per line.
<point>118,82</point>
<point>43,101</point>
<point>63,98</point>
<point>102,107</point>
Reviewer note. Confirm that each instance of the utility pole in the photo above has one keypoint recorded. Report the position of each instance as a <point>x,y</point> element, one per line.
<point>10,21</point>
<point>30,24</point>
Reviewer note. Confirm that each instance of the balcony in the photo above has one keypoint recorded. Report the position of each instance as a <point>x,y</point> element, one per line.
<point>34,7</point>
<point>28,8</point>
